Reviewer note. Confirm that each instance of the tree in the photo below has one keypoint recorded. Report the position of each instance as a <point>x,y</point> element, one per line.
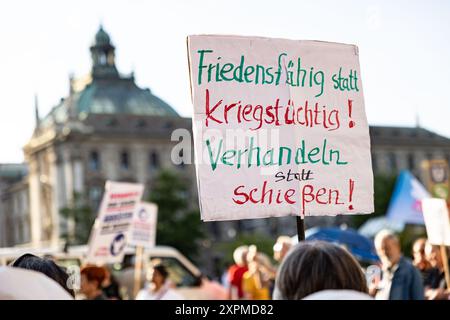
<point>81,214</point>
<point>383,187</point>
<point>178,225</point>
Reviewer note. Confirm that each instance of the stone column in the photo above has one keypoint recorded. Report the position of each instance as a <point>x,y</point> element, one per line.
<point>35,203</point>
<point>60,184</point>
<point>54,180</point>
<point>139,156</point>
<point>68,174</point>
<point>2,218</point>
<point>78,175</point>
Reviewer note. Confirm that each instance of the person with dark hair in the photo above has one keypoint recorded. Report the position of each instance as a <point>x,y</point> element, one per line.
<point>317,266</point>
<point>92,278</point>
<point>110,286</point>
<point>420,260</point>
<point>160,288</point>
<point>435,285</point>
<point>46,266</point>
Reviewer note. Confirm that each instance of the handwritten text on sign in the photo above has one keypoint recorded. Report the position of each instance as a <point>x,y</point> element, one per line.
<point>280,128</point>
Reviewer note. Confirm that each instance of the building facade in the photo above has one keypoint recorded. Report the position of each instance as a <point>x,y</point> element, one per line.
<point>106,129</point>
<point>14,205</point>
<point>396,148</point>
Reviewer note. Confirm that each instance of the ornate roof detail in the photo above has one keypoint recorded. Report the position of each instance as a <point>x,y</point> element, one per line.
<point>106,91</point>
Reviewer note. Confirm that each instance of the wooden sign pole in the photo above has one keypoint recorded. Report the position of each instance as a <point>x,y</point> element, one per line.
<point>445,263</point>
<point>138,270</point>
<point>300,228</point>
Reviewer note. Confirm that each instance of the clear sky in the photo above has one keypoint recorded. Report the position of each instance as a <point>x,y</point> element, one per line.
<point>404,51</point>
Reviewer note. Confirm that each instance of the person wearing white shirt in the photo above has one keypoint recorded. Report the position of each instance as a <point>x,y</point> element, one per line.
<point>160,287</point>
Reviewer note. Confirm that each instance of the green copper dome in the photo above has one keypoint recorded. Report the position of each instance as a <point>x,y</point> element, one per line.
<point>109,96</point>
<point>107,91</point>
<point>102,38</point>
<point>120,96</point>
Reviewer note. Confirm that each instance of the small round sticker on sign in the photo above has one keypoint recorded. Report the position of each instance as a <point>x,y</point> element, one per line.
<point>143,215</point>
<point>118,244</point>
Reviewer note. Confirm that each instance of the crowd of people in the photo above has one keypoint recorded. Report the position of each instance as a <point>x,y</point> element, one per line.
<point>96,282</point>
<point>429,260</point>
<point>307,270</point>
<point>317,269</point>
<point>252,276</point>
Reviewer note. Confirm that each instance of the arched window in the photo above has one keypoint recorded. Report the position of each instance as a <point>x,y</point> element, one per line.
<point>102,59</point>
<point>94,161</point>
<point>124,160</point>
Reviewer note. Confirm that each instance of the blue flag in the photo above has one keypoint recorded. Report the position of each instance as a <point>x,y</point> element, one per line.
<point>405,205</point>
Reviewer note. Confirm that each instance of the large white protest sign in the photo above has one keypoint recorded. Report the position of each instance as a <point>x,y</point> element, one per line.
<point>437,222</point>
<point>110,232</point>
<point>279,128</point>
<point>143,227</point>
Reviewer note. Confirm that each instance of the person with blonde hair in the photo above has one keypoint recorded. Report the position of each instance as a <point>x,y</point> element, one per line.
<point>236,272</point>
<point>281,248</point>
<point>256,281</point>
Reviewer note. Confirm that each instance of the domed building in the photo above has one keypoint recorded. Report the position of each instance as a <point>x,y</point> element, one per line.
<point>107,128</point>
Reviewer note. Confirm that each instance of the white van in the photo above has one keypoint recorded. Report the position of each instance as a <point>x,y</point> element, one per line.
<point>189,281</point>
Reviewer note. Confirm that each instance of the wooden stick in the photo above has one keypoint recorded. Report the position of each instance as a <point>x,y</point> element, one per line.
<point>138,270</point>
<point>445,263</point>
